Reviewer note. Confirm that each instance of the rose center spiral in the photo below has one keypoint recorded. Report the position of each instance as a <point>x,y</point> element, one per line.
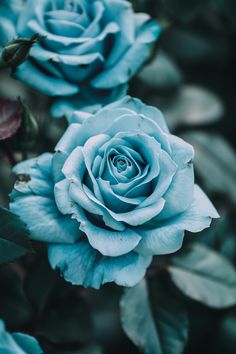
<point>67,5</point>
<point>121,162</point>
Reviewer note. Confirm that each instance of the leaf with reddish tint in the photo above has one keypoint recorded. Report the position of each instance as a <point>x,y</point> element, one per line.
<point>10,118</point>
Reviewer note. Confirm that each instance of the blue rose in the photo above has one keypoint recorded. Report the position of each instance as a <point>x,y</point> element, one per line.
<point>91,50</point>
<point>118,190</point>
<point>17,343</point>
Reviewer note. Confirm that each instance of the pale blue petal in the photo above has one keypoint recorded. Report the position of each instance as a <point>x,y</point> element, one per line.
<point>94,27</point>
<point>98,123</point>
<point>167,171</point>
<point>139,123</point>
<point>54,41</point>
<point>182,152</point>
<point>167,237</point>
<point>122,13</point>
<point>139,215</point>
<point>132,59</point>
<point>34,201</point>
<point>84,198</point>
<point>90,99</point>
<point>70,139</point>
<point>44,220</point>
<point>180,194</point>
<point>42,54</point>
<point>7,343</point>
<point>58,161</point>
<point>201,212</point>
<point>108,242</point>
<point>39,178</point>
<point>74,166</point>
<point>64,27</point>
<point>7,29</point>
<point>160,241</point>
<point>80,264</point>
<point>78,117</point>
<point>137,106</point>
<point>28,343</point>
<point>61,194</point>
<point>47,84</point>
<point>117,202</point>
<point>17,343</point>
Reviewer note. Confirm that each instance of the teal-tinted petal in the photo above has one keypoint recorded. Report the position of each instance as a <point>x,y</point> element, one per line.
<point>132,59</point>
<point>137,106</point>
<point>61,194</point>
<point>33,199</point>
<point>48,84</point>
<point>44,220</point>
<point>167,237</point>
<point>108,242</point>
<point>17,343</point>
<point>38,176</point>
<point>180,194</point>
<point>28,343</point>
<point>70,139</point>
<point>182,152</point>
<point>80,264</point>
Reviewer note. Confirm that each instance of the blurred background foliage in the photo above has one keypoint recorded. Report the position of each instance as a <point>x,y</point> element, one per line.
<point>187,303</point>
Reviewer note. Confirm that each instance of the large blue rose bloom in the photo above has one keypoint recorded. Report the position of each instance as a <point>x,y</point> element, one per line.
<point>17,343</point>
<point>91,49</point>
<point>118,190</point>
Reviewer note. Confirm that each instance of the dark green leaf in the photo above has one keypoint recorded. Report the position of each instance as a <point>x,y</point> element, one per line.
<point>14,241</point>
<point>182,9</point>
<point>229,8</point>
<point>221,237</point>
<point>191,105</point>
<point>227,333</point>
<point>153,319</point>
<point>91,350</point>
<point>67,320</point>
<point>15,309</point>
<point>204,276</point>
<point>215,161</point>
<point>161,74</point>
<point>40,283</point>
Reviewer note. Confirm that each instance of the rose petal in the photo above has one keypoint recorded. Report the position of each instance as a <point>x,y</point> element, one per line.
<point>80,264</point>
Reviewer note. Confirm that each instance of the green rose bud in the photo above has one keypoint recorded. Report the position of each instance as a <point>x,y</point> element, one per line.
<point>16,51</point>
<point>29,129</point>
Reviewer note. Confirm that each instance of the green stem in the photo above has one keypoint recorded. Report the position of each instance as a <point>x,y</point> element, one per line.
<point>3,64</point>
<point>24,154</point>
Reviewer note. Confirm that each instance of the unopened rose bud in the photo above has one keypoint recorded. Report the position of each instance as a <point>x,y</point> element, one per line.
<point>28,132</point>
<point>16,51</point>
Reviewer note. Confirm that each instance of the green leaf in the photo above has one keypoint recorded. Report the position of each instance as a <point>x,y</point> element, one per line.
<point>229,8</point>
<point>67,320</point>
<point>204,276</point>
<point>161,74</point>
<point>194,106</point>
<point>215,162</point>
<point>14,240</point>
<point>221,237</point>
<point>227,333</point>
<point>15,309</point>
<point>153,319</point>
<point>182,9</point>
<point>91,350</point>
<point>40,284</point>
